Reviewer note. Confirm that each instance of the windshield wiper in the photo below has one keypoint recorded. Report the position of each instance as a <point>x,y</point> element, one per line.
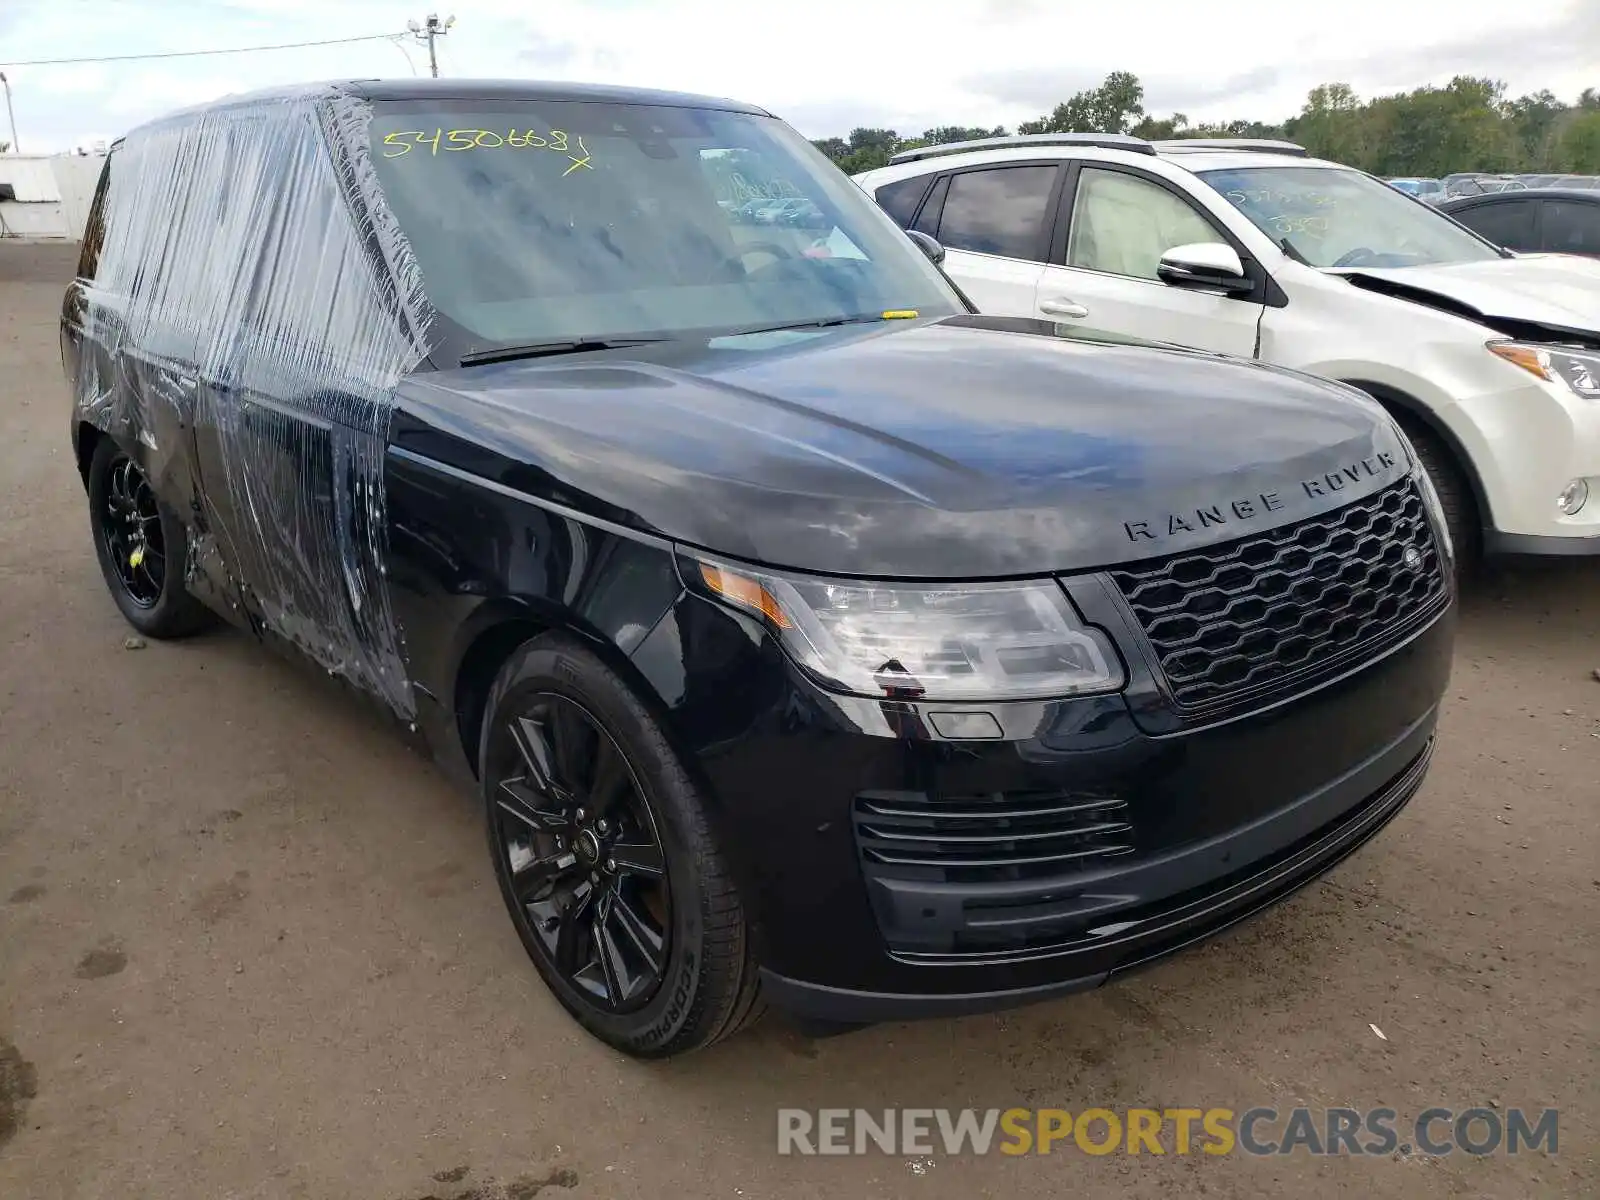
<point>1287,247</point>
<point>821,323</point>
<point>547,349</point>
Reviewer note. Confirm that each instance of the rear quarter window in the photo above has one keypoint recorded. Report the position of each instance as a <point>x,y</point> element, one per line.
<point>94,231</point>
<point>900,198</point>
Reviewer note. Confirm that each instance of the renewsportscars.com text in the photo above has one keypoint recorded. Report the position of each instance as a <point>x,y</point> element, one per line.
<point>1258,1131</point>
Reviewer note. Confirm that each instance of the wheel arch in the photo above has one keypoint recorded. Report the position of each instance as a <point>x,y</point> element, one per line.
<point>494,633</point>
<point>1409,411</point>
<point>85,437</point>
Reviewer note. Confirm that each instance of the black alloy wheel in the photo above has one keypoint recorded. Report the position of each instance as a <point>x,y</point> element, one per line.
<point>581,848</point>
<point>130,525</point>
<point>141,545</point>
<point>605,856</point>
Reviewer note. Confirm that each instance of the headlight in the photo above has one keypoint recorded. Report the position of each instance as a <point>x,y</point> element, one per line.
<point>1001,641</point>
<point>1578,369</point>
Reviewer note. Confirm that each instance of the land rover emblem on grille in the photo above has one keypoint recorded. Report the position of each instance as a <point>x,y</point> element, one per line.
<point>1413,557</point>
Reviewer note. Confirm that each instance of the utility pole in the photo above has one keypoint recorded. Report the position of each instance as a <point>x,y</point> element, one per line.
<point>427,31</point>
<point>10,115</point>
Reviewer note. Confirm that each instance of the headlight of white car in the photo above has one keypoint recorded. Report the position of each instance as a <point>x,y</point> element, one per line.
<point>1578,369</point>
<point>979,641</point>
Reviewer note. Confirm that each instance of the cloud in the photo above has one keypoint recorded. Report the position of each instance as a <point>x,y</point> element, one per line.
<point>1011,11</point>
<point>1176,94</point>
<point>1570,42</point>
<point>546,53</point>
<point>14,13</point>
<point>1041,90</point>
<point>90,79</point>
<point>139,94</point>
<point>833,66</point>
<point>827,118</point>
<point>1552,44</point>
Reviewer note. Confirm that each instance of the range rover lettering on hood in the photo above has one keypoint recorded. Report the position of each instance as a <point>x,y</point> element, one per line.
<point>1246,509</point>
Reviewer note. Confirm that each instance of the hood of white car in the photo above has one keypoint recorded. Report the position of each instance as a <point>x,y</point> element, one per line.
<point>1559,292</point>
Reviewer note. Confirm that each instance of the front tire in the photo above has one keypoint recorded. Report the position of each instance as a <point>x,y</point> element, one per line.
<point>1455,497</point>
<point>605,858</point>
<point>141,545</point>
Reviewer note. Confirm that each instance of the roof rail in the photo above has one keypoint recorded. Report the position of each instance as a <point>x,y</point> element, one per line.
<point>1257,145</point>
<point>1016,141</point>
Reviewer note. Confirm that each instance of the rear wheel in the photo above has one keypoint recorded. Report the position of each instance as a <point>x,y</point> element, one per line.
<point>140,544</point>
<point>605,859</point>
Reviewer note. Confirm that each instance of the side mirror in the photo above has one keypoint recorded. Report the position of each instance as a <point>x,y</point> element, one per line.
<point>929,246</point>
<point>1204,265</point>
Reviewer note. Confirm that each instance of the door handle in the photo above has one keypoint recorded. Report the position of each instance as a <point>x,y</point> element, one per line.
<point>1060,306</point>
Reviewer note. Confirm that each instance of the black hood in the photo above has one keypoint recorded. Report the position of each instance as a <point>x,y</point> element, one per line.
<point>945,449</point>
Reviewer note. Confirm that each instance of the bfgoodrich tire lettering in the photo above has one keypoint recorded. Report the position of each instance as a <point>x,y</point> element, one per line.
<point>557,832</point>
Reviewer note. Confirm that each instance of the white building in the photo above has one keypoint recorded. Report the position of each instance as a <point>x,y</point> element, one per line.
<point>47,196</point>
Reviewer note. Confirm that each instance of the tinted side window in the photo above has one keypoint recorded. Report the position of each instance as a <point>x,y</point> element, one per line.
<point>1508,224</point>
<point>1123,224</point>
<point>94,232</point>
<point>1571,228</point>
<point>928,219</point>
<point>900,198</point>
<point>998,211</point>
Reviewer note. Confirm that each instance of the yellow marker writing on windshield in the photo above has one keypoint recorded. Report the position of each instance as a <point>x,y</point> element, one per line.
<point>577,161</point>
<point>459,140</point>
<point>899,314</point>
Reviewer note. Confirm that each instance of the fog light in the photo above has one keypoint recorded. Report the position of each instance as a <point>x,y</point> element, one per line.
<point>1576,495</point>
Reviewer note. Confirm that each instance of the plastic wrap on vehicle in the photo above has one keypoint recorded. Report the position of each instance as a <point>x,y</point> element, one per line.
<point>252,312</point>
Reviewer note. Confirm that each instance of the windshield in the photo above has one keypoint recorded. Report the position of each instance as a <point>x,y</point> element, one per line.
<point>535,221</point>
<point>1333,217</point>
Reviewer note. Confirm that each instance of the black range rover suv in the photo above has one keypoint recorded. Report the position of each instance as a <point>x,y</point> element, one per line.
<point>808,635</point>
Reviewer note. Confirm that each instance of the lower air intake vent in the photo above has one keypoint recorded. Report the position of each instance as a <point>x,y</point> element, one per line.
<point>989,837</point>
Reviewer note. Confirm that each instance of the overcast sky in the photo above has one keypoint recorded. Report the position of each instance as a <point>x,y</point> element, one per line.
<point>824,65</point>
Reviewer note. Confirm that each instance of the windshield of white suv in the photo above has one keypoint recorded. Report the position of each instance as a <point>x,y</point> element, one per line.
<point>534,221</point>
<point>1332,217</point>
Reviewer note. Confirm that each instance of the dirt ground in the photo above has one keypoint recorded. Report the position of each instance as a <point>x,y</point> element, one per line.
<point>251,946</point>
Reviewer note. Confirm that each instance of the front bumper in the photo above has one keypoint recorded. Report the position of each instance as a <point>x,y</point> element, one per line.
<point>1127,943</point>
<point>1527,443</point>
<point>1498,542</point>
<point>1206,823</point>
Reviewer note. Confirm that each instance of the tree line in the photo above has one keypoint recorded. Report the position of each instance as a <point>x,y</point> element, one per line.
<point>1467,125</point>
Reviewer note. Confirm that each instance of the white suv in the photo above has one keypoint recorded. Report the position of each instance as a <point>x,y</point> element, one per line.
<point>1489,360</point>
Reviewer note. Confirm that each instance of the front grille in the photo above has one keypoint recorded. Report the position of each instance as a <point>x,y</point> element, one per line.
<point>989,837</point>
<point>1241,622</point>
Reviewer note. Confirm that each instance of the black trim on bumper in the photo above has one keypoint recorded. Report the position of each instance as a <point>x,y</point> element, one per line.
<point>1545,545</point>
<point>1146,940</point>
